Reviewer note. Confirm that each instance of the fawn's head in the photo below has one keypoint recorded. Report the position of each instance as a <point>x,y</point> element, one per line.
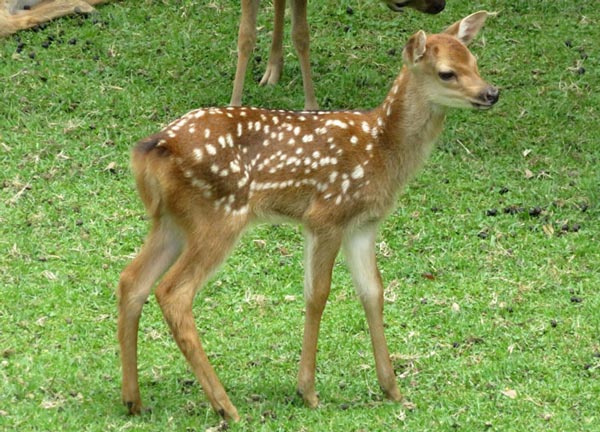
<point>427,6</point>
<point>446,69</point>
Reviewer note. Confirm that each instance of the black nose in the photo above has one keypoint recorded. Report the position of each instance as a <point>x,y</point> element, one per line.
<point>436,7</point>
<point>491,95</point>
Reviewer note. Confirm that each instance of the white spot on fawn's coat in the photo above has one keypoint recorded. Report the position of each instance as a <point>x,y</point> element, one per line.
<point>211,149</point>
<point>358,172</point>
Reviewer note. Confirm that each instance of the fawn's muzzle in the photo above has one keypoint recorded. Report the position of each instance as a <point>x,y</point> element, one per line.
<point>487,98</point>
<point>491,95</point>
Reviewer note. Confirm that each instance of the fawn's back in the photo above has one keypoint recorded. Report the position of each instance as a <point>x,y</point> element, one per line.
<point>311,167</point>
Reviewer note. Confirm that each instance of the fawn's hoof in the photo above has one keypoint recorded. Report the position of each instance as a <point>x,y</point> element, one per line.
<point>229,414</point>
<point>393,394</point>
<point>311,399</point>
<point>135,407</point>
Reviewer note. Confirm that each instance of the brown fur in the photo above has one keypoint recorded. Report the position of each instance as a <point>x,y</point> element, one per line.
<point>43,11</point>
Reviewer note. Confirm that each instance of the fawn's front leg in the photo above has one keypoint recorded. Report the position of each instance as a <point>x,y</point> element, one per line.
<point>359,249</point>
<point>321,248</point>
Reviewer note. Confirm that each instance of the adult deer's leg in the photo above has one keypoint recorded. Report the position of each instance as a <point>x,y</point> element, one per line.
<point>359,248</point>
<point>207,246</point>
<point>301,40</point>
<point>275,64</point>
<point>246,43</point>
<point>162,246</point>
<point>321,248</point>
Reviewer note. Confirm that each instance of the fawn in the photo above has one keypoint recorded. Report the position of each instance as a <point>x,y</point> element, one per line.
<point>209,174</point>
<point>300,38</point>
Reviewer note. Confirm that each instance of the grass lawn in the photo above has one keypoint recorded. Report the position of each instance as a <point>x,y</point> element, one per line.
<point>491,260</point>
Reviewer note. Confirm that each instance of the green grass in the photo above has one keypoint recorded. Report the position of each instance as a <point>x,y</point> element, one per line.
<point>478,305</point>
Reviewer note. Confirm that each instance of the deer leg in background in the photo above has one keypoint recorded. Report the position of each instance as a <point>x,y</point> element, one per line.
<point>275,63</point>
<point>246,43</point>
<point>301,40</point>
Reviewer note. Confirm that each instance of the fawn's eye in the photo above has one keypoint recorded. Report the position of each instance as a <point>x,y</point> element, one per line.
<point>446,75</point>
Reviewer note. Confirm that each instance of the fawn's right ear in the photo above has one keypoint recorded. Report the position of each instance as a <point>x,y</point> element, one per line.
<point>414,49</point>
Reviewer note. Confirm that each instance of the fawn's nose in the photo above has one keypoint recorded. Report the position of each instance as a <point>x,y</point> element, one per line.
<point>490,95</point>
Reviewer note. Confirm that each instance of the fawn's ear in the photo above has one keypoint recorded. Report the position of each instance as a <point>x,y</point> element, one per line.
<point>414,49</point>
<point>467,28</point>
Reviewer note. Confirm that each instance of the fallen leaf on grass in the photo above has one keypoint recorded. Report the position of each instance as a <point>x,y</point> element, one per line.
<point>256,299</point>
<point>409,405</point>
<point>401,416</point>
<point>384,249</point>
<point>390,294</point>
<point>154,334</point>
<point>223,426</point>
<point>428,276</point>
<point>111,167</point>
<point>49,275</point>
<point>52,404</point>
<point>549,230</point>
<point>509,393</point>
<point>260,243</point>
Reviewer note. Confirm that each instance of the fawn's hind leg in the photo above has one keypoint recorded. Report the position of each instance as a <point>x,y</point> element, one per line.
<point>207,246</point>
<point>158,252</point>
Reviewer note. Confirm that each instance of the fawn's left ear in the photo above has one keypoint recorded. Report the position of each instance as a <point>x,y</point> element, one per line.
<point>415,48</point>
<point>467,28</point>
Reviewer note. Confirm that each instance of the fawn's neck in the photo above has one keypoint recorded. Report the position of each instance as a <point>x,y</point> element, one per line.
<point>411,125</point>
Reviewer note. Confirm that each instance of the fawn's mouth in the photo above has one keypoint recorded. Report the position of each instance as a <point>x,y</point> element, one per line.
<point>482,106</point>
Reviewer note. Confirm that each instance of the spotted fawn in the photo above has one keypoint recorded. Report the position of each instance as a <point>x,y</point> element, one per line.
<point>208,175</point>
